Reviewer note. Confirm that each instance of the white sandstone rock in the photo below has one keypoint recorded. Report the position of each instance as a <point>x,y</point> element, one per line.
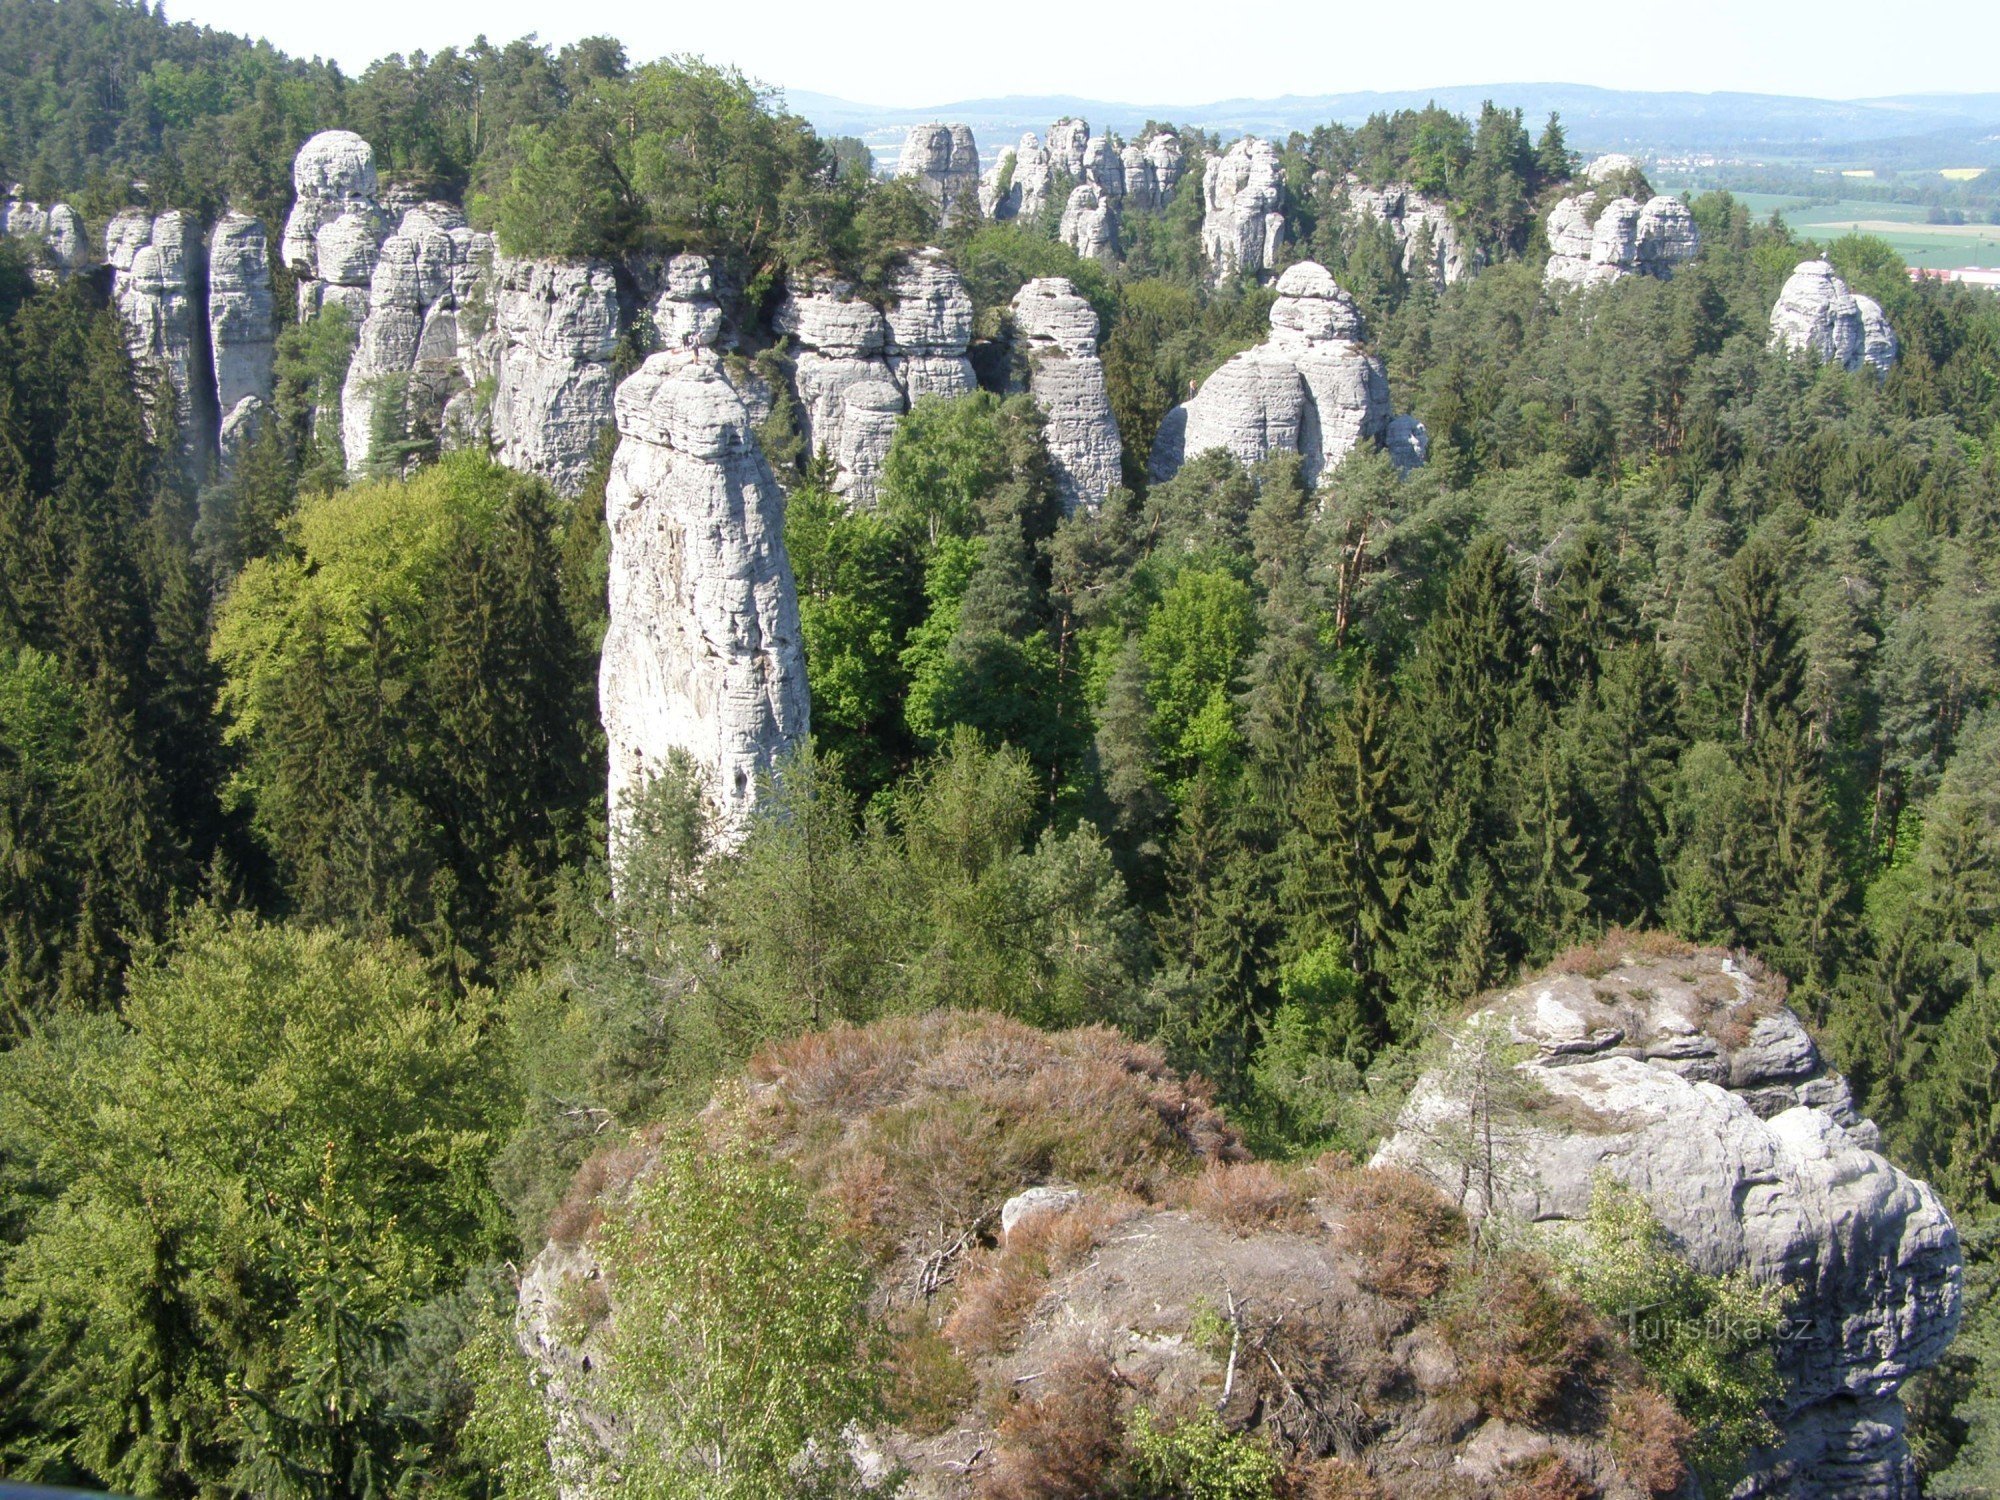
<point>703,652</point>
<point>1090,223</point>
<point>1057,331</point>
<point>1103,166</point>
<point>242,330</point>
<point>1682,1079</point>
<point>554,334</point>
<point>1816,314</point>
<point>1431,244</point>
<point>1152,171</point>
<point>154,287</point>
<point>1068,138</point>
<point>944,159</point>
<point>686,314</point>
<point>930,327</point>
<point>59,228</point>
<point>333,179</point>
<point>1594,241</point>
<point>1243,193</point>
<point>1311,389</point>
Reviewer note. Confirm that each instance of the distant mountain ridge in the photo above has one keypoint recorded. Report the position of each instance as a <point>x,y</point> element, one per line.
<point>1597,119</point>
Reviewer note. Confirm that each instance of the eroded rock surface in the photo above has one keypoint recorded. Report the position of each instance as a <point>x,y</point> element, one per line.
<point>1057,331</point>
<point>944,160</point>
<point>703,652</point>
<point>1597,236</point>
<point>242,330</point>
<point>1431,244</point>
<point>1311,388</point>
<point>1018,183</point>
<point>1243,192</point>
<point>554,333</point>
<point>1068,138</point>
<point>1817,314</point>
<point>408,365</point>
<point>337,224</point>
<point>58,227</point>
<point>1153,169</point>
<point>157,267</point>
<point>1090,223</point>
<point>1684,1077</point>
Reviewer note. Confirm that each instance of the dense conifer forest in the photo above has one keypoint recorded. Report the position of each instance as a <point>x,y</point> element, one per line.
<point>313,990</point>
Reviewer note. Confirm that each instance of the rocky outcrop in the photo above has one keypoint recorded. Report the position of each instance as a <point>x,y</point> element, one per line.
<point>1816,314</point>
<point>242,331</point>
<point>1680,1074</point>
<point>1018,183</point>
<point>1310,388</point>
<point>65,243</point>
<point>1104,166</point>
<point>157,269</point>
<point>703,652</point>
<point>1243,193</point>
<point>407,366</point>
<point>1056,331</point>
<point>1600,235</point>
<point>1068,139</point>
<point>686,314</point>
<point>1430,241</point>
<point>1090,223</point>
<point>856,370</point>
<point>1152,171</point>
<point>944,161</point>
<point>547,355</point>
<point>336,226</point>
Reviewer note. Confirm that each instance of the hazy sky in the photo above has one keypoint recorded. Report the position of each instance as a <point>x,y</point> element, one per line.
<point>917,52</point>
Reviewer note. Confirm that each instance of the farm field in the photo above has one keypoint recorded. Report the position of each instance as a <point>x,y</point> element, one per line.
<point>1901,224</point>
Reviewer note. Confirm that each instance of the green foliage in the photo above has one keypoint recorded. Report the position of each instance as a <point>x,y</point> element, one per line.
<point>1197,1458</point>
<point>740,1352</point>
<point>1193,646</point>
<point>248,1185</point>
<point>1705,1341</point>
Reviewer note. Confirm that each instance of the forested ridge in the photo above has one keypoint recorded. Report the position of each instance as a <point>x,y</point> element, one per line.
<point>314,993</point>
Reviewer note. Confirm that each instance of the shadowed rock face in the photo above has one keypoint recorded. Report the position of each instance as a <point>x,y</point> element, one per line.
<point>1310,389</point>
<point>703,652</point>
<point>1243,191</point>
<point>157,274</point>
<point>242,330</point>
<point>1816,314</point>
<point>944,160</point>
<point>59,228</point>
<point>857,369</point>
<point>1090,223</point>
<point>1057,331</point>
<point>1684,1077</point>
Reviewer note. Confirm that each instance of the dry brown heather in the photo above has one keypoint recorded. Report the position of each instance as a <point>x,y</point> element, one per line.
<point>1335,1313</point>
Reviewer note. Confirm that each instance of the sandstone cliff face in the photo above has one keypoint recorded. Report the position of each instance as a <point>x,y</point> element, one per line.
<point>407,364</point>
<point>703,652</point>
<point>1090,223</point>
<point>156,284</point>
<point>1431,244</point>
<point>1153,169</point>
<point>1067,139</point>
<point>1596,237</point>
<point>336,225</point>
<point>944,160</point>
<point>1057,331</point>
<point>1816,314</point>
<point>1243,192</point>
<point>59,228</point>
<point>548,353</point>
<point>1698,1089</point>
<point>1310,388</point>
<point>1018,184</point>
<point>242,331</point>
<point>856,370</point>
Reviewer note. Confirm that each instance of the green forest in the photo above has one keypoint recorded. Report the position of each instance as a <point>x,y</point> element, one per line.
<point>314,992</point>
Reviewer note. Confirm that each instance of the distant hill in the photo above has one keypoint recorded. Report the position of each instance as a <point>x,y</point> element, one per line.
<point>1755,126</point>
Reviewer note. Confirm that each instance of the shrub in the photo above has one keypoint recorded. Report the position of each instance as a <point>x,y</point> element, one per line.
<point>1249,1197</point>
<point>1332,1479</point>
<point>1064,1443</point>
<point>1000,1287</point>
<point>1523,1341</point>
<point>1406,1235</point>
<point>1197,1458</point>
<point>1549,1477</point>
<point>926,1385</point>
<point>1649,1440</point>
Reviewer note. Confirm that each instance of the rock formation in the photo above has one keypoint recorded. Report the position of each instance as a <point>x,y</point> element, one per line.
<point>944,160</point>
<point>1243,192</point>
<point>856,370</point>
<point>1017,185</point>
<point>686,315</point>
<point>1310,389</point>
<point>1431,244</point>
<point>547,354</point>
<point>1682,1075</point>
<point>1816,314</point>
<point>59,228</point>
<point>407,364</point>
<point>1104,166</point>
<point>1090,223</point>
<point>242,331</point>
<point>1068,138</point>
<point>157,269</point>
<point>1152,171</point>
<point>703,652</point>
<point>336,224</point>
<point>1596,238</point>
<point>1056,330</point>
